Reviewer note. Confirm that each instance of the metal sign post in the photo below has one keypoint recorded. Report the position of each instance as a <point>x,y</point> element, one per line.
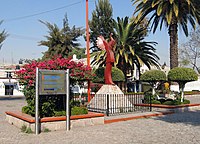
<point>37,103</point>
<point>67,102</point>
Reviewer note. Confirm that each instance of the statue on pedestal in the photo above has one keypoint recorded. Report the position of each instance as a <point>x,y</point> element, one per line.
<point>110,59</point>
<point>109,98</point>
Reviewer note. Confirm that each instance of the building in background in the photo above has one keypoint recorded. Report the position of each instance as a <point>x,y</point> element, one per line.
<point>9,85</point>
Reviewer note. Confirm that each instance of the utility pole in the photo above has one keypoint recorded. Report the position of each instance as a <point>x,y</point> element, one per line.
<point>88,47</point>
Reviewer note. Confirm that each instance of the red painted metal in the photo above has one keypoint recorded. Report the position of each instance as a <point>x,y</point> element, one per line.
<point>88,47</point>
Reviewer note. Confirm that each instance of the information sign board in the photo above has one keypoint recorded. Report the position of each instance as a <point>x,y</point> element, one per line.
<point>52,82</point>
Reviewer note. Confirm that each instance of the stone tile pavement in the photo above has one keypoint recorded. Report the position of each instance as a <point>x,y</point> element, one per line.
<point>179,128</point>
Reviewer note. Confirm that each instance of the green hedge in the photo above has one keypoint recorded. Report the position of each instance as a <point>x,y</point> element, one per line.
<point>153,75</point>
<point>117,75</point>
<point>182,74</point>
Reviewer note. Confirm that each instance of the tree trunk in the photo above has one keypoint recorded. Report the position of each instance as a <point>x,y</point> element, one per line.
<point>182,86</point>
<point>153,90</point>
<point>173,34</point>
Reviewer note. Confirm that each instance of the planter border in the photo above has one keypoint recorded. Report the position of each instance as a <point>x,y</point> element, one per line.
<point>19,119</point>
<point>168,106</point>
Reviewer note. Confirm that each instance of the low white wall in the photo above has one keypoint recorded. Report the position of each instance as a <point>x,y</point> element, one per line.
<point>56,125</point>
<point>190,86</point>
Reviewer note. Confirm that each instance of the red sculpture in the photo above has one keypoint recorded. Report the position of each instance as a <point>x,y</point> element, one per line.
<point>110,59</point>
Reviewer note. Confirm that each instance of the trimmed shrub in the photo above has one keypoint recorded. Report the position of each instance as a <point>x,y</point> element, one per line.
<point>153,75</point>
<point>180,74</point>
<point>117,75</point>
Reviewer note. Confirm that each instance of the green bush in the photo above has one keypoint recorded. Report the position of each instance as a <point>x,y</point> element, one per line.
<point>59,113</point>
<point>47,109</point>
<point>74,103</point>
<point>95,87</point>
<point>180,74</point>
<point>117,75</point>
<point>162,101</point>
<point>186,101</point>
<point>147,97</point>
<point>176,102</point>
<point>155,102</point>
<point>74,111</point>
<point>30,110</point>
<point>79,110</point>
<point>168,103</point>
<point>153,75</point>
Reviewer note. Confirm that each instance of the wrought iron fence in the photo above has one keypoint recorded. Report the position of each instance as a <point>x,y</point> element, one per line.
<point>112,104</point>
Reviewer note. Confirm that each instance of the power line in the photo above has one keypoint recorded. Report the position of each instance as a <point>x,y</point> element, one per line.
<point>40,13</point>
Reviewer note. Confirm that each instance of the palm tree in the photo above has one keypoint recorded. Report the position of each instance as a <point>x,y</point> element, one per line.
<point>61,41</point>
<point>172,13</point>
<point>131,48</point>
<point>3,36</point>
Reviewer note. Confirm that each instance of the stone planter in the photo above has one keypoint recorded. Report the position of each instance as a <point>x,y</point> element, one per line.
<point>20,119</point>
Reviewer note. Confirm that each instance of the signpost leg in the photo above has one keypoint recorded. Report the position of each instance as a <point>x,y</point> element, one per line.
<point>67,102</point>
<point>36,106</point>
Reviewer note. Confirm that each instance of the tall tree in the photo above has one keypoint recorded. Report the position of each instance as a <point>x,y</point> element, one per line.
<point>61,41</point>
<point>3,36</point>
<point>79,52</point>
<point>172,13</point>
<point>131,48</point>
<point>190,51</point>
<point>101,22</point>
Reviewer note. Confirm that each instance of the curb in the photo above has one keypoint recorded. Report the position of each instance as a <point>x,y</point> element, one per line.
<point>137,117</point>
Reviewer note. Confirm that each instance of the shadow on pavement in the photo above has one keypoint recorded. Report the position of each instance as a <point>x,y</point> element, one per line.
<point>11,98</point>
<point>188,118</point>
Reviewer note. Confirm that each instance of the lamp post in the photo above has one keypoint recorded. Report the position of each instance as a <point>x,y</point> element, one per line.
<point>88,47</point>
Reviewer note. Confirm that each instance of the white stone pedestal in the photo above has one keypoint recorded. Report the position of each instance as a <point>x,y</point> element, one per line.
<point>110,98</point>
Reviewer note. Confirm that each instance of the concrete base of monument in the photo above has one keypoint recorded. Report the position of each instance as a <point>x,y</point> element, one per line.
<point>109,89</point>
<point>110,99</point>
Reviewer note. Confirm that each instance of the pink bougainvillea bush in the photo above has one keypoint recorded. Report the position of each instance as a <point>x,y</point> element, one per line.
<point>27,77</point>
<point>78,71</point>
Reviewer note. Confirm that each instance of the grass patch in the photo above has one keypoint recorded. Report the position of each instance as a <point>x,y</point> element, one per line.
<point>46,130</point>
<point>26,129</point>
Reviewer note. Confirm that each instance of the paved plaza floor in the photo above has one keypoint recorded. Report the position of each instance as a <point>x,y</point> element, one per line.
<point>178,128</point>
